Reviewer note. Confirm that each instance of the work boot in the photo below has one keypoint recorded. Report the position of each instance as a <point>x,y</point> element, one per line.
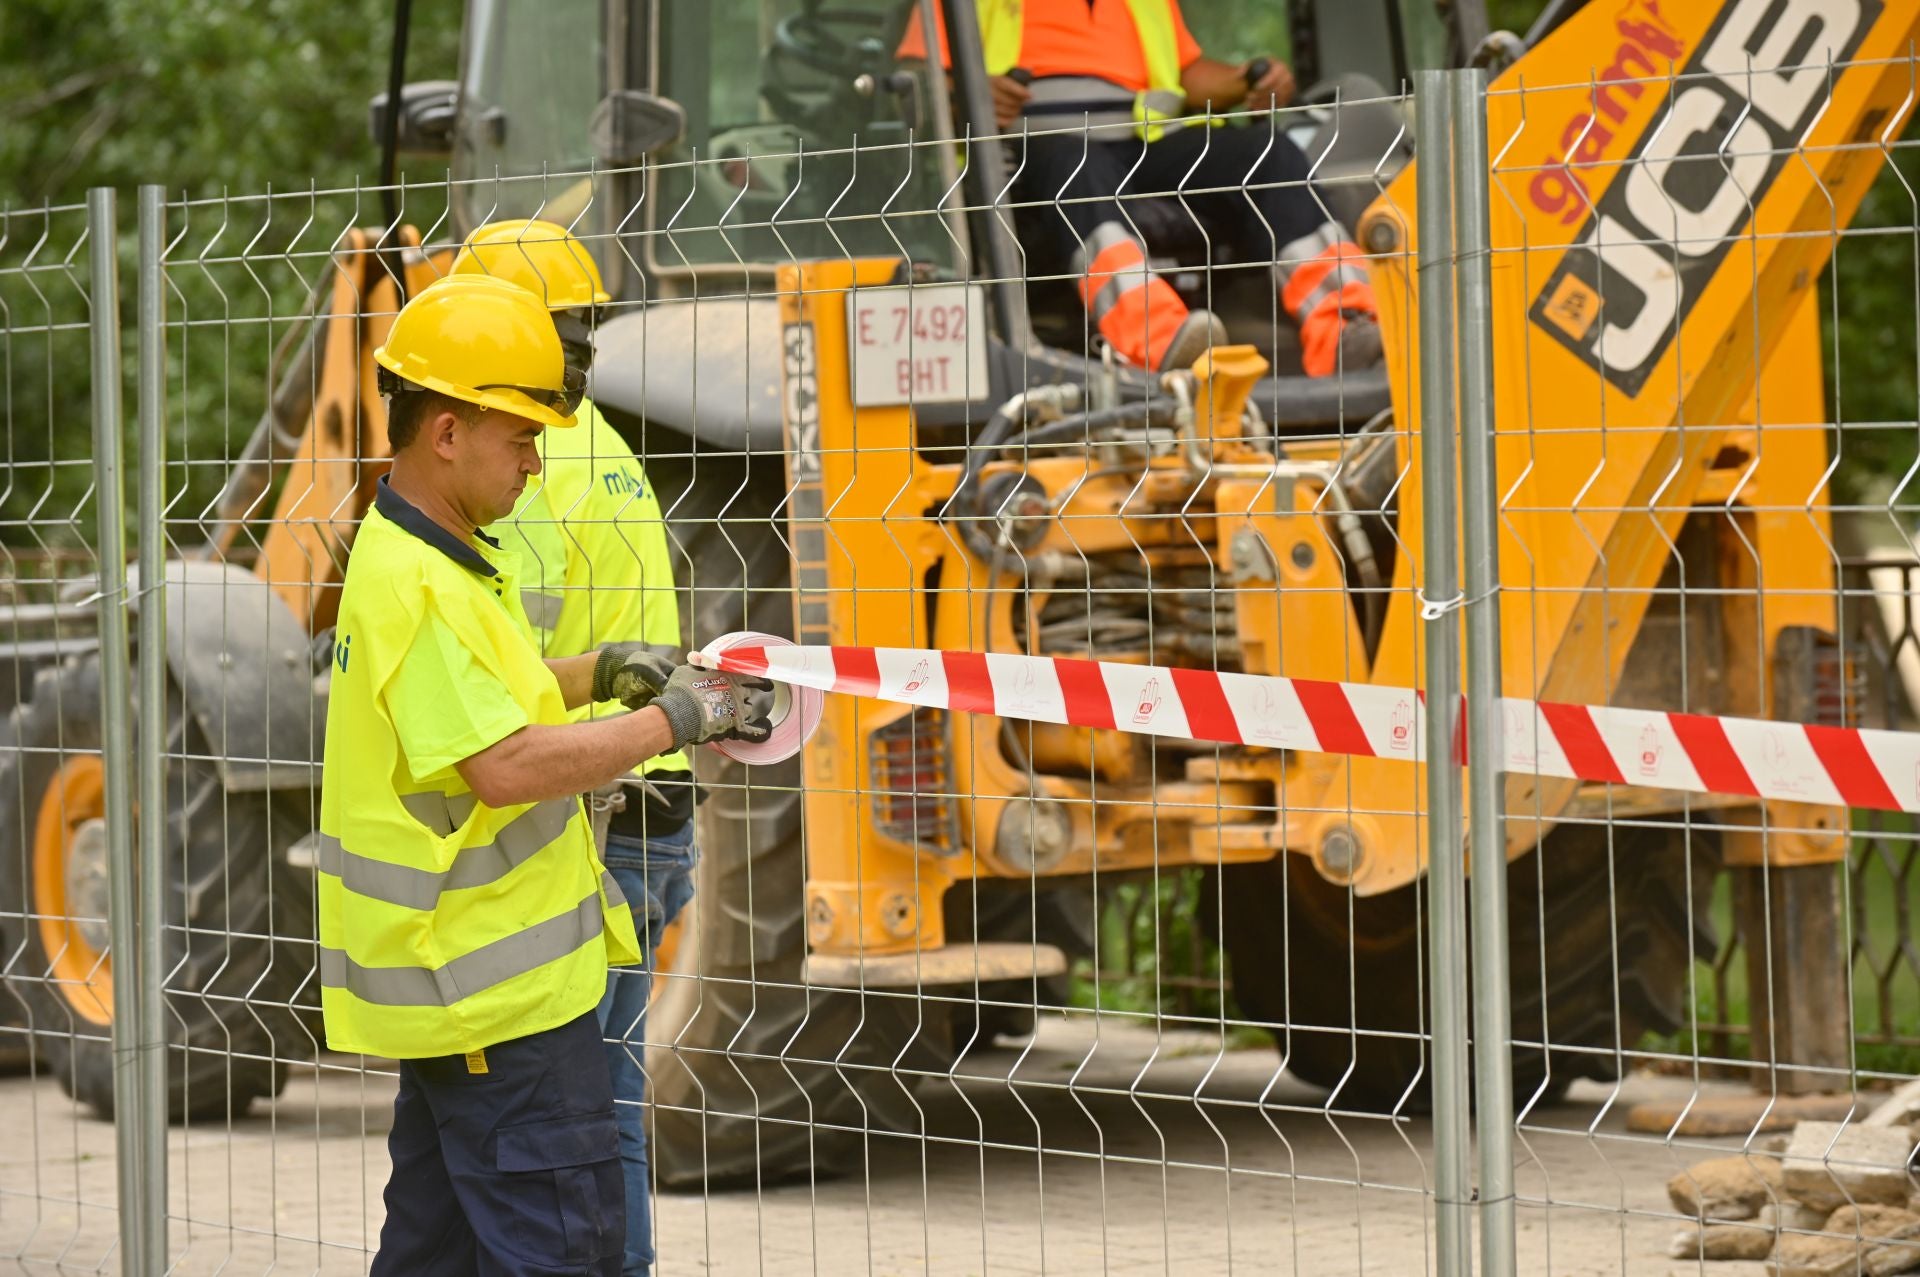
<point>1139,313</point>
<point>1198,333</point>
<point>1359,342</point>
<point>1325,286</point>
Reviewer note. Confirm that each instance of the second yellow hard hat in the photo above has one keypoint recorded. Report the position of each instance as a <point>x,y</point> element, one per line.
<point>541,257</point>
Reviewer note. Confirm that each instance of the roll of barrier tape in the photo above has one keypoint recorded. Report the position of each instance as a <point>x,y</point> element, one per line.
<point>796,710</point>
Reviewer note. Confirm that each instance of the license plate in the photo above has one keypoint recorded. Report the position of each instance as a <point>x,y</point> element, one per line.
<point>925,344</point>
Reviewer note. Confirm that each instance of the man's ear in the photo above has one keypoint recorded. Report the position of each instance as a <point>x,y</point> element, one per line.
<point>440,431</point>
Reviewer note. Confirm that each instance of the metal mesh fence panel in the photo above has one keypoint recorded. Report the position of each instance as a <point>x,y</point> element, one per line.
<point>60,1189</point>
<point>1689,509</point>
<point>1093,929</point>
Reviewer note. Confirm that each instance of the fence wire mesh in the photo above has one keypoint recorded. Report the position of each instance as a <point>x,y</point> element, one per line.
<point>957,988</point>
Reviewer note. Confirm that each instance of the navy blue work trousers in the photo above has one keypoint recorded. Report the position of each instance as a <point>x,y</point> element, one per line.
<point>1247,185</point>
<point>514,1170</point>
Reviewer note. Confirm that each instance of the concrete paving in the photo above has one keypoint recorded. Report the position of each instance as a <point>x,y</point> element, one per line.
<point>1099,1148</point>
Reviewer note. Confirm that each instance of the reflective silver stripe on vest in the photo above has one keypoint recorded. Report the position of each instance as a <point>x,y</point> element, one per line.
<point>1095,103</point>
<point>1162,106</point>
<point>471,973</point>
<point>615,897</point>
<point>524,837</point>
<point>543,609</point>
<point>1081,100</point>
<point>442,813</point>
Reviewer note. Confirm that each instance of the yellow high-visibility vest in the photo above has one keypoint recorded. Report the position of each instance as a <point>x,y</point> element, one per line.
<point>594,565</point>
<point>1002,29</point>
<point>447,926</point>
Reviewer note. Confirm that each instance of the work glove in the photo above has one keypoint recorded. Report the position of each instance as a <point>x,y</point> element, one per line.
<point>631,673</point>
<point>703,705</point>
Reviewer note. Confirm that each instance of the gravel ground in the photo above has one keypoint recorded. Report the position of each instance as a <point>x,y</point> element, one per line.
<point>1160,1154</point>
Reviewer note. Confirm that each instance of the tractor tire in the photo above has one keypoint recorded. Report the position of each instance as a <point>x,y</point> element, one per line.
<point>756,1078</point>
<point>236,953</point>
<point>1314,974</point>
<point>16,1040</point>
<point>1062,913</point>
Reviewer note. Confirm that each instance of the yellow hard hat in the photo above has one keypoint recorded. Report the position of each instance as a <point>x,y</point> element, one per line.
<point>541,257</point>
<point>485,341</point>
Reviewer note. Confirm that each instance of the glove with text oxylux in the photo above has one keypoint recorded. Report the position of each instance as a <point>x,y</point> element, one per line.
<point>705,705</point>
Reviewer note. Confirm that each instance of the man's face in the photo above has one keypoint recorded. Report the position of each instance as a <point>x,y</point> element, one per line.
<point>493,456</point>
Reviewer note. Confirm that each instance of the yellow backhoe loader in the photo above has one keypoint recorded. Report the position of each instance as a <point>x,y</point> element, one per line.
<point>1668,188</point>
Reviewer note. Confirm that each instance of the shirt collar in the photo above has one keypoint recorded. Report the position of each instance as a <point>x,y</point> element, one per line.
<point>408,517</point>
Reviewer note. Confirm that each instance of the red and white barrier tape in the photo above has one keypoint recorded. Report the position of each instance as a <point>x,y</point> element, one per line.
<point>1839,766</point>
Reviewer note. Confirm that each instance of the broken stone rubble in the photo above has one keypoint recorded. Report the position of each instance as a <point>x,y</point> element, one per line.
<point>1833,1199</point>
<point>1830,1165</point>
<point>1726,1188</point>
<point>1889,1227</point>
<point>1792,1217</point>
<point>1722,1241</point>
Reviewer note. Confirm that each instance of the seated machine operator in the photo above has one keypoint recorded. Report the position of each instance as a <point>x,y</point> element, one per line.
<point>1128,69</point>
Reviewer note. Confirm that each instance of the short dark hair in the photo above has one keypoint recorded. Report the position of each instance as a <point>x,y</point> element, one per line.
<point>409,409</point>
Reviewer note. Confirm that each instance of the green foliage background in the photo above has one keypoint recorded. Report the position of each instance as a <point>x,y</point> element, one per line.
<point>200,97</point>
<point>246,96</point>
<point>237,97</point>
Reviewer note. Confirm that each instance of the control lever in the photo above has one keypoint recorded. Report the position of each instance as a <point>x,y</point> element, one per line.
<point>1256,71</point>
<point>903,85</point>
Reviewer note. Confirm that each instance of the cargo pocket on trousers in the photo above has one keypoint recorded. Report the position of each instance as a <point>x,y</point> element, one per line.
<point>580,1158</point>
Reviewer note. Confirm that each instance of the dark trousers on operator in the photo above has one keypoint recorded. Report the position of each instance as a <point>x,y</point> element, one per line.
<point>507,1165</point>
<point>1245,184</point>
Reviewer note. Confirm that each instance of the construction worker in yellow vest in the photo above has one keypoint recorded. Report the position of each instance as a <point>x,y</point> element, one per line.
<point>596,576</point>
<point>466,922</point>
<point>1095,90</point>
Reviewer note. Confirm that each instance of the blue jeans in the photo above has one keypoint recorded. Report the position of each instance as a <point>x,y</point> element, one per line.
<point>656,875</point>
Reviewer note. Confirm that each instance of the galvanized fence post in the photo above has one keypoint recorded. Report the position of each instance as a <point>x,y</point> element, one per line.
<point>1446,874</point>
<point>1480,519</point>
<point>152,722</point>
<point>116,752</point>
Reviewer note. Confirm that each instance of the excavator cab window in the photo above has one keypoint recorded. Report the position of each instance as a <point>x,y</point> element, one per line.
<point>1325,40</point>
<point>531,76</point>
<point>776,93</point>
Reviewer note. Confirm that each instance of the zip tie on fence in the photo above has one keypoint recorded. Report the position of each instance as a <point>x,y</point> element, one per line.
<point>1431,611</point>
<point>118,591</point>
<point>1757,758</point>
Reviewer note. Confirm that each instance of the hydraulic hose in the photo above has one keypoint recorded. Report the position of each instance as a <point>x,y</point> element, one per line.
<point>1008,428</point>
<point>1159,411</point>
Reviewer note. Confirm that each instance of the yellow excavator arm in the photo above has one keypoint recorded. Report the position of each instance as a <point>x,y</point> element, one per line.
<point>1661,212</point>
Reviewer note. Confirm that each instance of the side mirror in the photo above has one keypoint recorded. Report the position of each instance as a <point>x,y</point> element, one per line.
<point>427,113</point>
<point>630,125</point>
